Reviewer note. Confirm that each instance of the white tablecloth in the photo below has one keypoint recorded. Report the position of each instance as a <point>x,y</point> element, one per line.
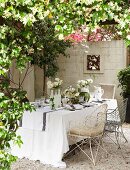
<point>50,145</point>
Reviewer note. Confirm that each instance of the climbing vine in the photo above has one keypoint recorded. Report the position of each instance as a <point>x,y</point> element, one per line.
<point>17,41</point>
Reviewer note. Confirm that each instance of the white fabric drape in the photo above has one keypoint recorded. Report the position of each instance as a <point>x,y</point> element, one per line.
<point>50,145</point>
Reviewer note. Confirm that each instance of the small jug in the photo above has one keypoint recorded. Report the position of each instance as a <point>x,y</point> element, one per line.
<point>98,93</point>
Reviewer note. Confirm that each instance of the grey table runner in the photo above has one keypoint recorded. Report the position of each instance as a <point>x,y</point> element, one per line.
<point>43,119</point>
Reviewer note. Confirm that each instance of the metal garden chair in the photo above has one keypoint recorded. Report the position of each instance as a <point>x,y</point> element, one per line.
<point>109,91</point>
<point>90,131</point>
<point>115,119</point>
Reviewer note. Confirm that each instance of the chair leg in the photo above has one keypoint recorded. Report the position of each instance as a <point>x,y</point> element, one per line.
<point>122,133</point>
<point>90,156</point>
<point>110,138</point>
<point>91,151</point>
<point>102,145</point>
<point>93,158</point>
<point>117,139</point>
<point>99,143</point>
<point>116,133</point>
<point>84,152</point>
<point>98,146</point>
<point>76,146</point>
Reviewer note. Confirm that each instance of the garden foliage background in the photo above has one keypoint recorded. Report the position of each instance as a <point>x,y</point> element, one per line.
<point>17,41</point>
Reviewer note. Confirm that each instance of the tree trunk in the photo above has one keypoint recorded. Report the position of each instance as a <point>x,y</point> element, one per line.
<point>44,82</point>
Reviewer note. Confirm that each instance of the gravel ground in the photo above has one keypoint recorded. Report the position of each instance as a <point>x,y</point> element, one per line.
<point>116,160</point>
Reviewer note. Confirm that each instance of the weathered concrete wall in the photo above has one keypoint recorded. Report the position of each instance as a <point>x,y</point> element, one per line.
<point>114,59</point>
<point>38,82</point>
<point>33,82</point>
<point>28,83</point>
<point>71,69</point>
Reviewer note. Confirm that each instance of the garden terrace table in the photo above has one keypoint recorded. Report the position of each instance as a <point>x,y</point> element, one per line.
<point>51,144</point>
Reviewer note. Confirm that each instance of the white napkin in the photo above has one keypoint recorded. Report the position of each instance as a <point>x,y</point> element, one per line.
<point>68,107</point>
<point>78,106</point>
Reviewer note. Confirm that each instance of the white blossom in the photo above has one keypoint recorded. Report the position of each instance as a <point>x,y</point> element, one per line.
<point>84,83</point>
<point>57,79</point>
<point>128,37</point>
<point>89,80</point>
<point>56,84</point>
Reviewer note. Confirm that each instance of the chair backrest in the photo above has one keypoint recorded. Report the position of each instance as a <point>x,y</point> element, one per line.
<point>122,105</point>
<point>97,119</point>
<point>93,124</point>
<point>109,90</point>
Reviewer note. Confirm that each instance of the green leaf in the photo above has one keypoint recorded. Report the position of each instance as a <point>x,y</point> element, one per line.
<point>59,28</point>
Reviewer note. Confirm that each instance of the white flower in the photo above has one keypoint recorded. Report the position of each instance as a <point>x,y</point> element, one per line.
<point>57,79</point>
<point>60,82</point>
<point>72,89</point>
<point>49,84</point>
<point>128,37</point>
<point>77,94</point>
<point>79,82</point>
<point>71,92</point>
<point>89,80</point>
<point>84,83</point>
<point>56,84</point>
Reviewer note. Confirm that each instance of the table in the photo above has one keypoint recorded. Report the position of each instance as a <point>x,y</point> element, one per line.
<point>50,145</point>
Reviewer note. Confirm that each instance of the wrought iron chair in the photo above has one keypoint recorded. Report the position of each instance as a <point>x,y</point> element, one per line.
<point>90,131</point>
<point>109,90</point>
<point>115,119</point>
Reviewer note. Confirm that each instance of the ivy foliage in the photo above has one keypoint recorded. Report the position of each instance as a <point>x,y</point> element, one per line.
<point>17,43</point>
<point>124,81</point>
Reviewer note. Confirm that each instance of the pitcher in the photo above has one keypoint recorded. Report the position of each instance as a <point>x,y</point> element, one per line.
<point>98,93</point>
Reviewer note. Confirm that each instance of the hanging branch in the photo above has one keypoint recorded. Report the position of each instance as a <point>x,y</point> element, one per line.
<point>26,73</point>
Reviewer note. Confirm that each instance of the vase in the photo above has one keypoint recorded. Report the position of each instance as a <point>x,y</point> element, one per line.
<point>84,94</point>
<point>85,89</point>
<point>56,95</point>
<point>98,93</point>
<point>81,99</point>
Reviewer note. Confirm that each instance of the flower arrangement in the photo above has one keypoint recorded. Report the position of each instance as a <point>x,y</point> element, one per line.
<point>55,85</point>
<point>72,94</point>
<point>83,89</point>
<point>84,83</point>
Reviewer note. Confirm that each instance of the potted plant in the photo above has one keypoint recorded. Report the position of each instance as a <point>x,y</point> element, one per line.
<point>124,83</point>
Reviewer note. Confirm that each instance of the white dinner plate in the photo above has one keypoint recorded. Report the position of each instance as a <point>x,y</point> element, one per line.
<point>88,104</point>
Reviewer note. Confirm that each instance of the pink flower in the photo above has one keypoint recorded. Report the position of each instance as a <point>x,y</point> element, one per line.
<point>75,38</point>
<point>95,36</point>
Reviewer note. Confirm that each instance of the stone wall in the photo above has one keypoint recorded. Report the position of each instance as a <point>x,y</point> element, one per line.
<point>114,59</point>
<point>33,82</point>
<point>28,83</point>
<point>71,69</point>
<point>38,76</point>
